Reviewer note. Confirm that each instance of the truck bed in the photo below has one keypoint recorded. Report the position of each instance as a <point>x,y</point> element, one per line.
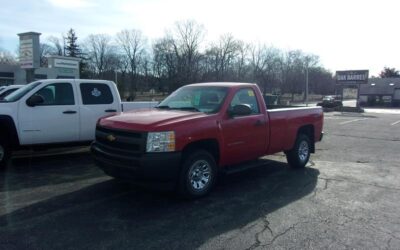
<point>291,118</point>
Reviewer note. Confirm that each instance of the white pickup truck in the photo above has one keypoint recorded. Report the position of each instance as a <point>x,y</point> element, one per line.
<point>58,112</point>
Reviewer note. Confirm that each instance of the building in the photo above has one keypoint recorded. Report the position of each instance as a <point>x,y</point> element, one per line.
<point>30,68</point>
<point>380,92</point>
<point>58,67</point>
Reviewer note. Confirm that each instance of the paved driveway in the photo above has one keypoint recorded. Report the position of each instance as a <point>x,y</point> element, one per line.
<point>348,197</point>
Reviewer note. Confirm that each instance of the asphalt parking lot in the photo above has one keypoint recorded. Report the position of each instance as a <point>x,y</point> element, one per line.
<point>347,198</point>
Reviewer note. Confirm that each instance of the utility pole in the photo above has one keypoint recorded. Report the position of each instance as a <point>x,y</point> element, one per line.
<point>307,84</point>
<point>307,60</point>
<point>116,76</point>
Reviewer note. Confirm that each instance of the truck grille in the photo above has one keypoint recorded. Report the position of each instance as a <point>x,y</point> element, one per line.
<point>121,142</point>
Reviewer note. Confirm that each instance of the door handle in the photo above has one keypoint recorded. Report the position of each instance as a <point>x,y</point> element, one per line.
<point>69,112</point>
<point>110,110</point>
<point>259,123</point>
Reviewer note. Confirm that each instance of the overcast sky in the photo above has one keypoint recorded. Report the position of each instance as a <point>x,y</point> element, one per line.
<point>346,34</point>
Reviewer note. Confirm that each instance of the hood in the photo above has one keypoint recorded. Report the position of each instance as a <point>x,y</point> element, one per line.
<point>148,120</point>
<point>9,109</point>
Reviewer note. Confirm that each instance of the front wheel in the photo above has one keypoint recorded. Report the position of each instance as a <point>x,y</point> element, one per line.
<point>299,155</point>
<point>198,174</point>
<point>4,153</point>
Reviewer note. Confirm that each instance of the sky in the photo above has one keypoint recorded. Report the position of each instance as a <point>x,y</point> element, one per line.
<point>345,34</point>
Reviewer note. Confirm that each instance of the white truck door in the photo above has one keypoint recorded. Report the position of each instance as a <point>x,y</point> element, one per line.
<point>56,120</point>
<point>98,99</point>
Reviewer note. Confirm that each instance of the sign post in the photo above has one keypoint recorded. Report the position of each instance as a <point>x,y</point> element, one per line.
<point>352,78</point>
<point>29,53</point>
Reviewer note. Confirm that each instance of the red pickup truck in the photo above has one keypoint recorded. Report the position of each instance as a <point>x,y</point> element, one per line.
<point>200,129</point>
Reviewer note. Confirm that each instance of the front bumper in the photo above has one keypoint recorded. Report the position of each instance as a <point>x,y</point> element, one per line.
<point>321,136</point>
<point>141,168</point>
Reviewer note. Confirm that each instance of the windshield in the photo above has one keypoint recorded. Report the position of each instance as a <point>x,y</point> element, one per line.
<point>196,98</point>
<point>18,94</point>
<point>6,93</point>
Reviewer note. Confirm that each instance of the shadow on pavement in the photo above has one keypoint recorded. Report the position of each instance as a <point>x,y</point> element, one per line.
<point>31,172</point>
<point>115,215</point>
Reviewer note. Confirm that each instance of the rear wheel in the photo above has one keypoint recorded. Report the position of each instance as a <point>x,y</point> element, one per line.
<point>198,174</point>
<point>299,155</point>
<point>4,152</point>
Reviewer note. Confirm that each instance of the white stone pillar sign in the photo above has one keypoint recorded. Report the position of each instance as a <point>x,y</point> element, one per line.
<point>29,50</point>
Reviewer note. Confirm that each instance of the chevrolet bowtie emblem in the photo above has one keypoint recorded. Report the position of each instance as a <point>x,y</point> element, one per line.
<point>111,138</point>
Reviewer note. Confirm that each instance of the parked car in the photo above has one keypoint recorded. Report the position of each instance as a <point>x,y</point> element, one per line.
<point>8,90</point>
<point>60,112</point>
<point>331,101</point>
<point>201,129</point>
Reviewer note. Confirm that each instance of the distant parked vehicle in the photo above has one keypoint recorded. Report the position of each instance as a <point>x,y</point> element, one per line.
<point>6,90</point>
<point>271,99</point>
<point>331,101</point>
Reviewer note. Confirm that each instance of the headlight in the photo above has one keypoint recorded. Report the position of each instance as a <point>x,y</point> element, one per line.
<point>160,141</point>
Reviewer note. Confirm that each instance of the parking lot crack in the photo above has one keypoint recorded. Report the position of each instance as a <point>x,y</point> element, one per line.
<point>284,232</point>
<point>392,236</point>
<point>258,241</point>
<point>326,184</point>
<point>360,183</point>
<point>369,223</point>
<point>368,138</point>
<point>266,226</point>
<point>388,243</point>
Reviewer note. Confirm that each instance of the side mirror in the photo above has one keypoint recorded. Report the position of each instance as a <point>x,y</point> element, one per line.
<point>35,100</point>
<point>240,110</point>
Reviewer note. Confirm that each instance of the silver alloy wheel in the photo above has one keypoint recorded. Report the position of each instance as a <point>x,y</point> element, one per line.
<point>200,175</point>
<point>303,151</point>
<point>1,153</point>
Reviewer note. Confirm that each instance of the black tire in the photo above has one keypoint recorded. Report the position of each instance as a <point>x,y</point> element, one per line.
<point>5,152</point>
<point>198,174</point>
<point>299,155</point>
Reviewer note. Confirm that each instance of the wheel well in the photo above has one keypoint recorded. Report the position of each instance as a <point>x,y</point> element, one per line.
<point>7,129</point>
<point>210,145</point>
<point>309,131</point>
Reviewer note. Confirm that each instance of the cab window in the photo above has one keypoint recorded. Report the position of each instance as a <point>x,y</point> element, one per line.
<point>246,96</point>
<point>57,94</point>
<point>96,93</point>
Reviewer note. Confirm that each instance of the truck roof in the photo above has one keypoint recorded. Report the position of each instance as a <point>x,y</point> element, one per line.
<point>222,84</point>
<point>74,80</point>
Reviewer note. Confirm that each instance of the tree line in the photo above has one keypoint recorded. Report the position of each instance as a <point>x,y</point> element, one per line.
<point>182,56</point>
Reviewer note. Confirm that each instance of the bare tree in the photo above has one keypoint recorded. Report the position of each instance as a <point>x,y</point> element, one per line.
<point>241,61</point>
<point>221,57</point>
<point>132,45</point>
<point>56,43</point>
<point>46,50</point>
<point>180,57</point>
<point>7,58</point>
<point>165,63</point>
<point>186,39</point>
<point>265,62</point>
<point>101,53</point>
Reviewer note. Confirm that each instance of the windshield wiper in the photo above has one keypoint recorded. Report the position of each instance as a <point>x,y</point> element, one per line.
<point>163,107</point>
<point>188,108</point>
